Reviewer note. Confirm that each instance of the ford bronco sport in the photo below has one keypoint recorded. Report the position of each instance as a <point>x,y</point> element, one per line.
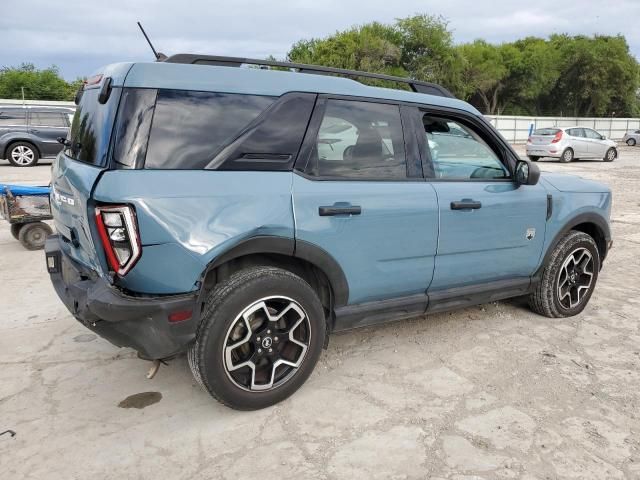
<point>242,215</point>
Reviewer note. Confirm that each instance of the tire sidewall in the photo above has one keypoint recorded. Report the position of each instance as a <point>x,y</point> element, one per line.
<point>631,142</point>
<point>13,146</point>
<point>606,155</point>
<point>217,321</point>
<point>27,228</point>
<point>562,157</point>
<point>583,241</point>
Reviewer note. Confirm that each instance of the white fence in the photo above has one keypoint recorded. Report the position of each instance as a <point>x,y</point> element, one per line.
<point>516,129</point>
<point>27,103</point>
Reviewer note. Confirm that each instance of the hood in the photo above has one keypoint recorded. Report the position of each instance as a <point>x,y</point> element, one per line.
<point>573,183</point>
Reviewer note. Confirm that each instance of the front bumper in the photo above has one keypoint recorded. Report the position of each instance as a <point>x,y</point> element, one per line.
<point>139,322</point>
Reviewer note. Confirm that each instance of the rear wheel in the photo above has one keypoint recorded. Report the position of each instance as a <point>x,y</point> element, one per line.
<point>22,154</point>
<point>261,335</point>
<point>611,155</point>
<point>567,156</point>
<point>569,277</point>
<point>32,236</point>
<point>631,142</point>
<point>15,230</point>
<point>534,159</point>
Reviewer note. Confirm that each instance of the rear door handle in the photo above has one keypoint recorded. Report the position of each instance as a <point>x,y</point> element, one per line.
<point>466,204</point>
<point>329,211</point>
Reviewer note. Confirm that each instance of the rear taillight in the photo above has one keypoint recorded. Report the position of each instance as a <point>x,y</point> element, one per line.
<point>118,230</point>
<point>557,137</point>
<point>529,140</point>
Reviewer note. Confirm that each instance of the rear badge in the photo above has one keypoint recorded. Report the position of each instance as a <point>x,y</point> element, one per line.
<point>531,233</point>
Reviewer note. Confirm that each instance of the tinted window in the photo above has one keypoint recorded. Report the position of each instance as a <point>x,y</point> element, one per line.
<point>9,118</point>
<point>47,119</point>
<point>91,127</point>
<point>132,126</point>
<point>457,152</point>
<point>576,132</point>
<point>190,128</point>
<point>546,131</point>
<point>360,140</point>
<point>273,140</point>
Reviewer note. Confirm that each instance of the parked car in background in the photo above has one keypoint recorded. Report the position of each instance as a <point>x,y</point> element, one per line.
<point>570,143</point>
<point>632,138</point>
<point>30,133</point>
<point>244,215</point>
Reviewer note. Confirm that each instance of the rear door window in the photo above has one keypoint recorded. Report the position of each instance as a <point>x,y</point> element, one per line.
<point>47,119</point>
<point>12,118</point>
<point>359,140</point>
<point>190,128</point>
<point>576,132</point>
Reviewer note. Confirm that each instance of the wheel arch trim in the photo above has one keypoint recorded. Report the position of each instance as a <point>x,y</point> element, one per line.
<point>584,218</point>
<point>309,252</point>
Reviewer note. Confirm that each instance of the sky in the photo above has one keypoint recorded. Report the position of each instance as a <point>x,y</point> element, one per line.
<point>81,35</point>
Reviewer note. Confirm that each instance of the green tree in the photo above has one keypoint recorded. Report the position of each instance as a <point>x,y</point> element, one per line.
<point>45,84</point>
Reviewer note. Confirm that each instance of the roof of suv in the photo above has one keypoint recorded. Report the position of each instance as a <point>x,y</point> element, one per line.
<point>259,82</point>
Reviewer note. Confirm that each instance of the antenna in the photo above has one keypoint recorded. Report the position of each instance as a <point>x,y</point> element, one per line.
<point>159,56</point>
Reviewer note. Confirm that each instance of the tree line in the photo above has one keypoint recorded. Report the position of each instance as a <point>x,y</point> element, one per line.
<point>560,75</point>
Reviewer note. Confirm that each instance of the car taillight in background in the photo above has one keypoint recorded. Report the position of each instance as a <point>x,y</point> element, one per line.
<point>557,137</point>
<point>118,230</point>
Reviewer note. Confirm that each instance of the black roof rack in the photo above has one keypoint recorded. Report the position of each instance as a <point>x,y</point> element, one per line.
<point>415,85</point>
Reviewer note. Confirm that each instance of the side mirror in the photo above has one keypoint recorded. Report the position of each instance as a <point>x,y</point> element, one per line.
<point>527,173</point>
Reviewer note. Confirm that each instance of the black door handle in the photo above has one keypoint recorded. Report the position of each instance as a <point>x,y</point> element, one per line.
<point>466,204</point>
<point>337,210</point>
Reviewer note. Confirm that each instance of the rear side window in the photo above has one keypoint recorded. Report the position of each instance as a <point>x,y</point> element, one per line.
<point>576,132</point>
<point>359,140</point>
<point>12,118</point>
<point>47,119</point>
<point>132,127</point>
<point>546,131</point>
<point>190,128</point>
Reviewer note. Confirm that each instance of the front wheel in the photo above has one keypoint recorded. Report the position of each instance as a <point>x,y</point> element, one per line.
<point>569,277</point>
<point>611,155</point>
<point>261,335</point>
<point>534,159</point>
<point>567,156</point>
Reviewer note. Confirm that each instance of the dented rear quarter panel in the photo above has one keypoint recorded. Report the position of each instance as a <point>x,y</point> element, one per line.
<point>187,218</point>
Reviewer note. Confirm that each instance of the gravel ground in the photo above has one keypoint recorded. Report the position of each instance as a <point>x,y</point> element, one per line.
<point>488,392</point>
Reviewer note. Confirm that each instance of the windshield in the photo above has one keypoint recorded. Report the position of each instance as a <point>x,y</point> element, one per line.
<point>91,128</point>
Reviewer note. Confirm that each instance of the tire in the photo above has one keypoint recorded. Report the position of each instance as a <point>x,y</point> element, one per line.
<point>611,155</point>
<point>631,142</point>
<point>546,299</point>
<point>32,236</point>
<point>15,230</point>
<point>22,154</point>
<point>567,156</point>
<point>224,323</point>
<point>534,159</point>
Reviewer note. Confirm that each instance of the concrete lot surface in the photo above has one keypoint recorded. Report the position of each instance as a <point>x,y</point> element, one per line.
<point>488,392</point>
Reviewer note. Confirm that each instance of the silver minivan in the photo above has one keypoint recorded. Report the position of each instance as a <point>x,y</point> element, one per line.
<point>570,143</point>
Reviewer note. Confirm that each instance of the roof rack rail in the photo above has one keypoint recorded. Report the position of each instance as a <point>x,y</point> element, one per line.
<point>415,85</point>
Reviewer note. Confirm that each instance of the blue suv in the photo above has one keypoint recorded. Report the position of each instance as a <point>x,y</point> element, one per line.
<point>242,215</point>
